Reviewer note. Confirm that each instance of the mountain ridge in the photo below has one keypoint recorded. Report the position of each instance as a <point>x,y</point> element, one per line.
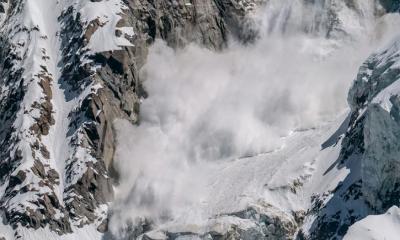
<point>69,69</point>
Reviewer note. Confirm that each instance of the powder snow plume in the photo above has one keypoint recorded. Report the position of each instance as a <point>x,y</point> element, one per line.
<point>205,108</point>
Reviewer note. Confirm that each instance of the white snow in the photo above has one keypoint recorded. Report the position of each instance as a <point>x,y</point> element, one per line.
<point>88,232</point>
<point>33,46</point>
<point>39,48</point>
<point>108,12</point>
<point>383,98</point>
<point>226,186</point>
<point>285,175</point>
<point>377,227</point>
<point>214,132</point>
<point>46,42</point>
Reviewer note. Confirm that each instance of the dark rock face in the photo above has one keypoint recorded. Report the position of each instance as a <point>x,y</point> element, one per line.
<point>378,128</point>
<point>9,106</point>
<point>391,5</point>
<point>3,7</point>
<point>333,217</point>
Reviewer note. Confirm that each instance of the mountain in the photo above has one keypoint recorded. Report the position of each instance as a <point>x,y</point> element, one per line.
<point>84,116</point>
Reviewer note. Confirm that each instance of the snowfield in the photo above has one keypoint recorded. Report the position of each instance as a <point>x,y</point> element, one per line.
<point>385,226</point>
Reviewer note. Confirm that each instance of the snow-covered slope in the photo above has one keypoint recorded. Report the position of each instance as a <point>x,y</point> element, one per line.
<point>70,68</point>
<point>43,155</point>
<point>385,226</point>
<point>180,174</point>
<point>255,197</point>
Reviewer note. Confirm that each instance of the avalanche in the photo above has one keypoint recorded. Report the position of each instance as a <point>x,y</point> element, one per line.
<point>252,141</point>
<point>249,130</point>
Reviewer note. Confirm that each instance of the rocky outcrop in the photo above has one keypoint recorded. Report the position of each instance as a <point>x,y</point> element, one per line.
<point>390,5</point>
<point>374,101</point>
<point>200,21</point>
<point>370,150</point>
<point>258,221</point>
<point>3,8</point>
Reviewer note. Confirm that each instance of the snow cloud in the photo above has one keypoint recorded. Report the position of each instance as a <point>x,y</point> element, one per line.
<point>206,107</point>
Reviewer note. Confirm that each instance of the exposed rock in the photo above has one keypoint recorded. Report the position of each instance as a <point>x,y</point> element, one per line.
<point>370,151</point>
<point>175,22</point>
<point>104,86</point>
<point>376,123</point>
<point>103,227</point>
<point>390,5</point>
<point>261,221</point>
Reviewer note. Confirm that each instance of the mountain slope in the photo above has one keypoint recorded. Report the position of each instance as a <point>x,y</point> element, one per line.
<point>69,69</point>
